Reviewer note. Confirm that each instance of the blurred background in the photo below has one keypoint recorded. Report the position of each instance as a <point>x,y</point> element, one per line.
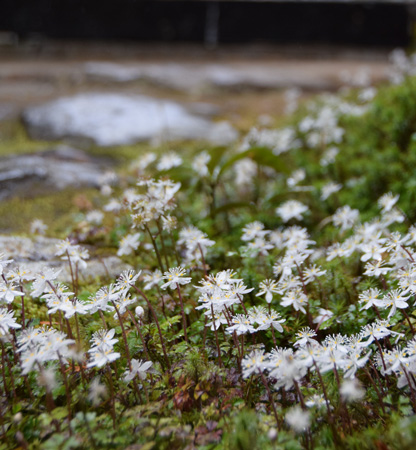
<point>88,85</point>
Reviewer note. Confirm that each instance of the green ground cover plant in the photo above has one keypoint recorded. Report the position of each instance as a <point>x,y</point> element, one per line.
<point>269,304</point>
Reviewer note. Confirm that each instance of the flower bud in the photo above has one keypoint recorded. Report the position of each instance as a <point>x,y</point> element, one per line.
<point>17,417</point>
<point>139,311</point>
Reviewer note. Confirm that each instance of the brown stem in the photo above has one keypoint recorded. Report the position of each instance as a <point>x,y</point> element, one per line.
<point>139,291</point>
<point>113,406</point>
<point>159,259</point>
<point>183,313</point>
<point>140,334</point>
<point>103,319</point>
<point>123,332</point>
<point>266,385</point>
<point>203,260</point>
<point>68,392</point>
<point>380,398</point>
<point>408,321</point>
<point>163,242</point>
<point>23,308</point>
<point>3,370</point>
<point>72,273</point>
<point>216,336</point>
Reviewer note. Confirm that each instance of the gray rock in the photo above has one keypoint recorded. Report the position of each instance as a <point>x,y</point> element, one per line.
<point>116,119</point>
<point>56,169</point>
<point>40,252</point>
<point>189,76</point>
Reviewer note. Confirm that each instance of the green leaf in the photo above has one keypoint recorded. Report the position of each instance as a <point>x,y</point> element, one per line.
<point>233,205</point>
<point>216,154</point>
<point>261,155</point>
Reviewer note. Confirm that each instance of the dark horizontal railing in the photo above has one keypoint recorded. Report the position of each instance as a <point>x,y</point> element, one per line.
<point>213,22</point>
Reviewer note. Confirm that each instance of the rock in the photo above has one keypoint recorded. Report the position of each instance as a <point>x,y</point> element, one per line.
<point>191,77</point>
<point>56,169</point>
<point>40,252</point>
<point>117,119</point>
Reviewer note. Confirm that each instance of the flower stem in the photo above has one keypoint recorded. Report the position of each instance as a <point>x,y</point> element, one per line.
<point>139,291</point>
<point>183,313</point>
<point>159,259</point>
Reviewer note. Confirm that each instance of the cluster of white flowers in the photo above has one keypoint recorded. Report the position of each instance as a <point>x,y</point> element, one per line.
<point>218,293</point>
<point>279,141</point>
<point>40,345</point>
<point>257,239</point>
<point>102,349</point>
<point>74,253</point>
<point>155,202</point>
<point>195,242</point>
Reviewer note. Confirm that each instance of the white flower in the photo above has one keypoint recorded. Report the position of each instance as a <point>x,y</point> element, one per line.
<point>245,170</point>
<point>8,292</point>
<point>296,177</point>
<point>254,230</point>
<point>296,298</point>
<point>387,201</point>
<point>324,315</point>
<point>199,164</point>
<point>345,217</point>
<point>268,287</point>
<point>128,244</point>
<point>96,392</point>
<point>100,357</point>
<point>298,419</point>
<point>195,241</point>
<point>304,337</point>
<point>47,379</point>
<point>329,156</point>
<point>292,209</point>
<point>394,299</point>
<point>103,339</point>
<point>317,400</point>
<point>355,361</point>
<point>241,324</point>
<point>329,189</point>
<point>37,226</point>
<point>127,279</point>
<point>113,206</point>
<point>351,390</point>
<point>255,362</point>
<point>369,297</point>
<point>7,321</point>
<point>259,247</point>
<point>138,368</point>
<point>94,217</point>
<point>169,223</point>
<point>168,161</point>
<point>175,277</point>
<point>4,263</point>
<point>312,272</point>
<point>265,320</point>
<point>19,274</point>
<point>372,250</point>
<point>152,279</point>
<point>376,268</point>
<point>144,161</point>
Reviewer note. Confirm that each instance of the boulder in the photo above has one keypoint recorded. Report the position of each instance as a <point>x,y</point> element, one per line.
<point>57,168</point>
<point>117,119</point>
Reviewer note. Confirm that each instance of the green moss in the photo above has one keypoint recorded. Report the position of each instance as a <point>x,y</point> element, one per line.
<point>57,210</point>
<point>14,140</point>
